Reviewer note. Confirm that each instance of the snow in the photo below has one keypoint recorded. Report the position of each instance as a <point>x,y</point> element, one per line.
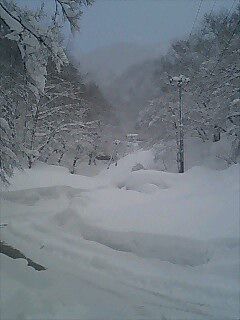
<point>42,175</point>
<point>4,124</point>
<point>215,155</point>
<point>122,245</point>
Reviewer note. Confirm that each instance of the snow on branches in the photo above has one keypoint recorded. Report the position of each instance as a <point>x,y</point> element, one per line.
<point>31,121</point>
<point>38,42</point>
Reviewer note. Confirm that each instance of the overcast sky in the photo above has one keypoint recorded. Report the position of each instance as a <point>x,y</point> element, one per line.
<point>108,22</point>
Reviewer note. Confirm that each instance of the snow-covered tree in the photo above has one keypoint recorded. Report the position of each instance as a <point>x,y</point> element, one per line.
<point>57,120</point>
<point>234,128</point>
<point>8,159</point>
<point>210,58</point>
<point>12,97</point>
<point>37,41</point>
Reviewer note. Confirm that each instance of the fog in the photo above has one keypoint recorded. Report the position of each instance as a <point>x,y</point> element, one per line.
<point>115,36</point>
<point>107,23</point>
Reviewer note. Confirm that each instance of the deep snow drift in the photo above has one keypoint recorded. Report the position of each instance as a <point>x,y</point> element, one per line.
<point>122,245</point>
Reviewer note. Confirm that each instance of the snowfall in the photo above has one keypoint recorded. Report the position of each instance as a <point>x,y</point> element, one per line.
<point>121,244</point>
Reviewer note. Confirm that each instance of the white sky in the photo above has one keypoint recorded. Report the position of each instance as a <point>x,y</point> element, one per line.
<point>150,22</point>
<point>109,22</point>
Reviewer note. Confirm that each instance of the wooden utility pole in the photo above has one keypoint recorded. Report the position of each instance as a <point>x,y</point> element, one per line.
<point>180,81</point>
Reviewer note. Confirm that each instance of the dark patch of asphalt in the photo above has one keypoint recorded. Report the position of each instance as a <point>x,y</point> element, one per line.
<point>16,254</point>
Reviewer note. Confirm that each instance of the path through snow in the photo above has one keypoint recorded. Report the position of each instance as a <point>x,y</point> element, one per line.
<point>116,249</point>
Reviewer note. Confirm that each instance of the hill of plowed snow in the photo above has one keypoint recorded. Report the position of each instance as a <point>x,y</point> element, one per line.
<point>122,245</point>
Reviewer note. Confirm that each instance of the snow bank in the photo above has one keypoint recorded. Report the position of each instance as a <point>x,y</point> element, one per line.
<point>140,245</point>
<point>214,155</point>
<point>201,204</point>
<point>125,165</point>
<point>145,180</point>
<point>178,250</point>
<point>42,175</point>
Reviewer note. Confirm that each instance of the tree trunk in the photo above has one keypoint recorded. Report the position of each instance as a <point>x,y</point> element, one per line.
<point>60,158</point>
<point>74,165</point>
<point>30,162</point>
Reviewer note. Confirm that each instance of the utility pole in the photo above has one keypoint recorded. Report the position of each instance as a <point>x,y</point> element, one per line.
<point>180,82</point>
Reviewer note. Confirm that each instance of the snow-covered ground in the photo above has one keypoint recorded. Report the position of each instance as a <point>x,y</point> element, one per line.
<point>122,245</point>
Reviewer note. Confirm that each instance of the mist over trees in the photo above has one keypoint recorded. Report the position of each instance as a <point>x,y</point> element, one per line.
<point>210,58</point>
<point>49,113</point>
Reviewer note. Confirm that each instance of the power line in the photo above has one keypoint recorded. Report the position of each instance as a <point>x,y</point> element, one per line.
<point>229,11</point>
<point>196,17</point>
<point>228,42</point>
<point>221,55</point>
<point>193,26</point>
<point>214,3</point>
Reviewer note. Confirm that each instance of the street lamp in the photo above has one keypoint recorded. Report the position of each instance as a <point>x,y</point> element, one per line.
<point>180,81</point>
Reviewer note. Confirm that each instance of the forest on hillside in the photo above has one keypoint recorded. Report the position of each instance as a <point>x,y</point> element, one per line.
<point>209,58</point>
<point>71,115</point>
